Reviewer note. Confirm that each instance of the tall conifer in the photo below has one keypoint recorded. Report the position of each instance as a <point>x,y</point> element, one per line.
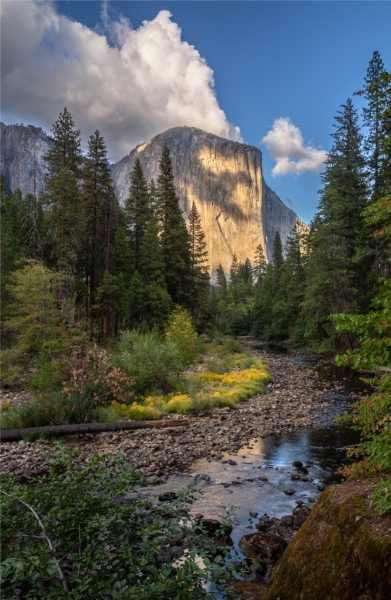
<point>174,237</point>
<point>137,210</point>
<point>100,217</point>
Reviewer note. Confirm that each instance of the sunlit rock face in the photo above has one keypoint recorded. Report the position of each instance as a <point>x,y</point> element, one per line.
<point>224,179</point>
<point>21,161</point>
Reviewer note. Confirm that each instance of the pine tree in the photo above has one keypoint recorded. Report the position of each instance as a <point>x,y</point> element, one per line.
<point>137,210</point>
<point>377,93</point>
<point>221,282</point>
<point>100,217</point>
<point>66,151</point>
<point>198,259</point>
<point>153,199</point>
<point>62,196</point>
<point>174,237</point>
<point>157,302</point>
<point>277,262</point>
<point>336,272</point>
<point>32,225</point>
<point>259,268</point>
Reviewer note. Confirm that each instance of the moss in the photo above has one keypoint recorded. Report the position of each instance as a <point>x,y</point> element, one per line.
<point>342,552</point>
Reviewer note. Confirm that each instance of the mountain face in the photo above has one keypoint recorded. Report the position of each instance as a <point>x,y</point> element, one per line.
<point>224,179</point>
<point>21,157</point>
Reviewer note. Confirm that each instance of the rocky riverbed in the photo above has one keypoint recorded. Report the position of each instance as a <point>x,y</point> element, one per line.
<point>297,397</point>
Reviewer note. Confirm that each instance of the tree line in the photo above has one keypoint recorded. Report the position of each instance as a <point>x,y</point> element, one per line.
<point>342,264</point>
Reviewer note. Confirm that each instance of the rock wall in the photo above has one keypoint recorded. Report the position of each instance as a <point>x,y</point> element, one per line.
<point>224,179</point>
<point>21,156</point>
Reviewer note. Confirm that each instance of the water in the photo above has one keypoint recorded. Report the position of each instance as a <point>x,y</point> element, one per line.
<point>321,450</point>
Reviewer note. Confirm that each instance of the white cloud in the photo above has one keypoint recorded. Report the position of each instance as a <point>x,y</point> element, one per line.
<point>130,84</point>
<point>285,143</point>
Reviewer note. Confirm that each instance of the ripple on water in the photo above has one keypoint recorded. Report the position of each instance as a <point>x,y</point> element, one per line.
<point>319,449</point>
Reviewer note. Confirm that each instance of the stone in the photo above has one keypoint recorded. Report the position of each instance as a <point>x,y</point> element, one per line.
<point>255,575</point>
<point>321,487</point>
<point>289,491</point>
<point>252,513</point>
<point>297,463</point>
<point>302,470</point>
<point>168,496</point>
<point>295,476</point>
<point>232,462</point>
<point>263,478</point>
<point>266,548</point>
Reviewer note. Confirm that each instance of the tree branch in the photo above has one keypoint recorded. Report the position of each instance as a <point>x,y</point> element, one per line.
<point>47,538</point>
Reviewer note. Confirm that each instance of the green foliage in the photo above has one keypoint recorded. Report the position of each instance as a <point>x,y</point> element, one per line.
<point>154,363</point>
<point>39,322</point>
<point>174,237</point>
<point>372,416</point>
<point>45,409</point>
<point>137,211</point>
<point>84,531</point>
<point>199,267</point>
<point>100,212</point>
<point>180,330</point>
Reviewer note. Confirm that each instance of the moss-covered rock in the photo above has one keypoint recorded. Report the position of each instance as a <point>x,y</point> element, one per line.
<point>342,552</point>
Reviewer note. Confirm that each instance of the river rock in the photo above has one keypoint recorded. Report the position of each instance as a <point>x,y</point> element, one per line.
<point>289,492</point>
<point>295,476</point>
<point>168,496</point>
<point>297,463</point>
<point>266,548</point>
<point>263,478</point>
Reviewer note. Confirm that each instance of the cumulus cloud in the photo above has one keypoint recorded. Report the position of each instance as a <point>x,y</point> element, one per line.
<point>285,143</point>
<point>130,84</point>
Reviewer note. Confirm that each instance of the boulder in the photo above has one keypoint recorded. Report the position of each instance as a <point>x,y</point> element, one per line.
<point>342,552</point>
<point>266,548</point>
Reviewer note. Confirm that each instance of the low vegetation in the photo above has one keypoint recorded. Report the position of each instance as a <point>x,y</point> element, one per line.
<point>143,377</point>
<point>83,530</point>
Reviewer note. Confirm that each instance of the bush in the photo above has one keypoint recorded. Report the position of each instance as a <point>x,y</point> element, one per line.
<point>95,382</point>
<point>155,364</point>
<point>46,409</point>
<point>83,531</point>
<point>180,330</point>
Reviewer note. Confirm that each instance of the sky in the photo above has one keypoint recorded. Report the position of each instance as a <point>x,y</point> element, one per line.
<point>270,74</point>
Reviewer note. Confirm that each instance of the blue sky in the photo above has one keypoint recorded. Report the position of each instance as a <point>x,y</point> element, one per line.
<point>270,60</point>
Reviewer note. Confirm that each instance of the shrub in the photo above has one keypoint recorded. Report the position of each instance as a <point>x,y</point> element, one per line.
<point>83,531</point>
<point>371,416</point>
<point>46,409</point>
<point>95,382</point>
<point>180,330</point>
<point>155,364</point>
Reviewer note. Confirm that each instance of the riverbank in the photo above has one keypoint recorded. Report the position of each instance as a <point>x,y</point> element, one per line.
<point>297,397</point>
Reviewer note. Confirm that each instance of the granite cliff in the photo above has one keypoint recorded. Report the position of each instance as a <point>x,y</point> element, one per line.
<point>21,156</point>
<point>224,178</point>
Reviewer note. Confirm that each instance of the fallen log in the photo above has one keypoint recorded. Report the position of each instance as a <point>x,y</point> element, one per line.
<point>11,435</point>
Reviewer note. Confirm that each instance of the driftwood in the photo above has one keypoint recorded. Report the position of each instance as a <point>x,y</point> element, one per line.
<point>11,435</point>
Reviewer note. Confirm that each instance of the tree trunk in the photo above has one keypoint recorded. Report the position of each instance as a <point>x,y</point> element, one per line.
<point>11,435</point>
